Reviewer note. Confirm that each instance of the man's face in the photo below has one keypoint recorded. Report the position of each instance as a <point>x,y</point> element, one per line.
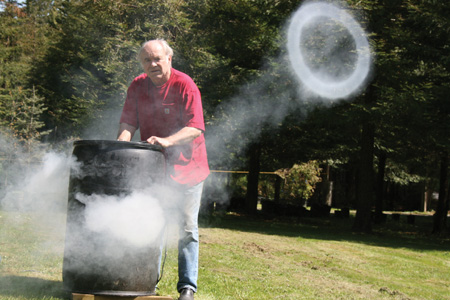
<point>156,63</point>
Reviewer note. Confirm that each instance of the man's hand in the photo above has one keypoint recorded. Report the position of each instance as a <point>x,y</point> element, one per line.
<point>163,142</point>
<point>182,137</point>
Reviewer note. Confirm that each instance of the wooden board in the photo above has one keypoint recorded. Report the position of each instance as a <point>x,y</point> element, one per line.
<point>76,296</point>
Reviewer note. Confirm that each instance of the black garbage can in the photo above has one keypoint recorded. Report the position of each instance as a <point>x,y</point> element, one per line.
<point>93,264</point>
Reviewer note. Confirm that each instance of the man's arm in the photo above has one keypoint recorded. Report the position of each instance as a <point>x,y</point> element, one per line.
<point>182,137</point>
<point>126,132</point>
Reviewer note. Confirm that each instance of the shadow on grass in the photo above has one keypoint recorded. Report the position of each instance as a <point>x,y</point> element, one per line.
<point>31,288</point>
<point>390,234</point>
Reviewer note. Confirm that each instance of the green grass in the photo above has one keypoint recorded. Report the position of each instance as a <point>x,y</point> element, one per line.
<point>254,258</point>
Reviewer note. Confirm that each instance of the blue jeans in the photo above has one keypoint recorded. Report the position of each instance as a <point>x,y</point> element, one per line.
<point>184,207</point>
<point>188,244</point>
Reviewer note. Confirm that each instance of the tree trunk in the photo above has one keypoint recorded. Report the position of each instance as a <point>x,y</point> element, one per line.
<point>277,188</point>
<point>364,196</point>
<point>380,188</point>
<point>251,200</point>
<point>350,184</point>
<point>440,216</point>
<point>426,197</point>
<point>447,205</point>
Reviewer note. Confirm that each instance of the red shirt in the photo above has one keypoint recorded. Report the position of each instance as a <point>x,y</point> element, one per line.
<point>164,110</point>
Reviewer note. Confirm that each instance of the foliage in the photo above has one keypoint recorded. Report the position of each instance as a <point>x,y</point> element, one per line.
<point>300,180</point>
<point>23,119</point>
<point>21,108</point>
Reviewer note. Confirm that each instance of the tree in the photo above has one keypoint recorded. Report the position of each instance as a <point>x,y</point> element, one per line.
<point>23,42</point>
<point>411,110</point>
<point>430,49</point>
<point>300,180</point>
<point>420,111</point>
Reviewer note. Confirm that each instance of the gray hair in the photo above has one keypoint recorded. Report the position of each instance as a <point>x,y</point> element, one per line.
<point>167,49</point>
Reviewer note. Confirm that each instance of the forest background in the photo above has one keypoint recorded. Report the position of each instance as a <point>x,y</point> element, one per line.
<point>66,65</point>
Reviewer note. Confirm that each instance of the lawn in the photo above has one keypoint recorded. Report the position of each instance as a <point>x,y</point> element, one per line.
<point>255,258</point>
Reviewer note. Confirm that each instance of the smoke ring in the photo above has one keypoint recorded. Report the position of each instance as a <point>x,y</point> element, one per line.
<point>313,81</point>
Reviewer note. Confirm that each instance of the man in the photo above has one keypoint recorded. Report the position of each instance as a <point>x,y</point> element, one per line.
<point>165,104</point>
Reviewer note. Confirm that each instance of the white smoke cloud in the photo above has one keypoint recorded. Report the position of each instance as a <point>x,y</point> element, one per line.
<point>136,219</point>
<point>37,185</point>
